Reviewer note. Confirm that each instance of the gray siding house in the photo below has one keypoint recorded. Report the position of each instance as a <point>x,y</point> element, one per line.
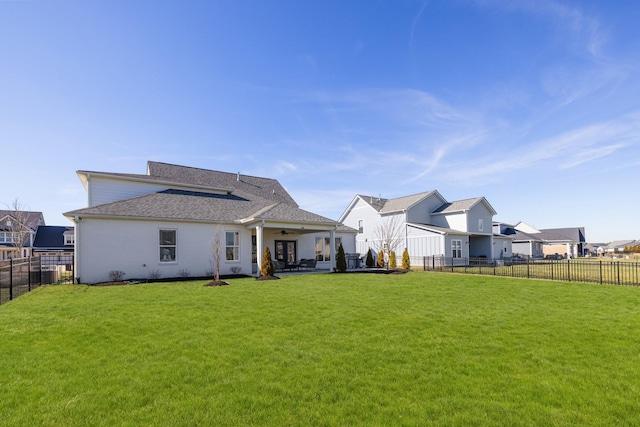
<point>426,224</point>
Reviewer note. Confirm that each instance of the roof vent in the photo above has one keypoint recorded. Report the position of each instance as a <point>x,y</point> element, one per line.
<point>238,177</point>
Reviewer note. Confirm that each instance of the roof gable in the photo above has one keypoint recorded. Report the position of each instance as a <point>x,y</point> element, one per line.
<point>463,206</point>
<point>29,219</point>
<point>404,203</point>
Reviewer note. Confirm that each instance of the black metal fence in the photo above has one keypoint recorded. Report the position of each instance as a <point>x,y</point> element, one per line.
<point>614,272</point>
<point>21,275</point>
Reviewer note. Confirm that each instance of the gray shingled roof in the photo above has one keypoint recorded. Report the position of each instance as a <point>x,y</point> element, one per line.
<point>198,206</point>
<point>265,188</point>
<point>394,205</point>
<point>376,203</point>
<point>574,234</point>
<point>521,236</point>
<point>29,219</point>
<point>458,205</point>
<point>402,203</point>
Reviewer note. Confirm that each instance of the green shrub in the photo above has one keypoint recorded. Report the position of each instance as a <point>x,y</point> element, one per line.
<point>369,260</point>
<point>341,260</point>
<point>380,259</point>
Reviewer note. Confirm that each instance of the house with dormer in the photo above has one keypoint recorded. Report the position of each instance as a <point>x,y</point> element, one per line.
<point>17,232</point>
<point>424,223</point>
<point>167,222</point>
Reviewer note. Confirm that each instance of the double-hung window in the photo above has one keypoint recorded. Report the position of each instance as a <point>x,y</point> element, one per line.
<point>167,245</point>
<point>456,248</point>
<point>232,246</point>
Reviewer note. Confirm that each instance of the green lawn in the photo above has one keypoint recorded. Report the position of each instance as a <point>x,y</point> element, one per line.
<point>326,349</point>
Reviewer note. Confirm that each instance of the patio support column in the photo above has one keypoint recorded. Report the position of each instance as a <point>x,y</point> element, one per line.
<point>332,249</point>
<point>259,248</point>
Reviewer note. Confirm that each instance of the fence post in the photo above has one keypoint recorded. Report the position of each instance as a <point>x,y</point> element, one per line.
<point>10,279</point>
<point>552,262</point>
<point>29,273</point>
<point>528,273</point>
<point>618,271</point>
<point>568,268</point>
<point>601,272</point>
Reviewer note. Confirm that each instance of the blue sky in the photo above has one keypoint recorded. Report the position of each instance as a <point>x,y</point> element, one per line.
<point>534,104</point>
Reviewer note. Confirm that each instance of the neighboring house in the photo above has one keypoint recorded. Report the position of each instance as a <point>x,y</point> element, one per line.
<point>54,245</point>
<point>54,240</point>
<point>502,240</point>
<point>16,226</point>
<point>169,221</point>
<point>425,223</point>
<point>568,242</point>
<point>594,249</point>
<point>617,247</point>
<point>522,243</point>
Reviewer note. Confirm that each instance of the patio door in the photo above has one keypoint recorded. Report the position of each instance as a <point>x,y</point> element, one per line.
<point>286,251</point>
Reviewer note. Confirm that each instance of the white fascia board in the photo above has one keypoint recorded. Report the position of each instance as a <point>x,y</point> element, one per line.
<point>349,208</point>
<point>85,177</point>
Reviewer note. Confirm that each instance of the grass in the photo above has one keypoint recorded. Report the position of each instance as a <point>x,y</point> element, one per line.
<point>414,349</point>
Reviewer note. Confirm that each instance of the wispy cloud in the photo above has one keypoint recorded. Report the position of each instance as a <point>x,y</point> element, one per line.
<point>564,151</point>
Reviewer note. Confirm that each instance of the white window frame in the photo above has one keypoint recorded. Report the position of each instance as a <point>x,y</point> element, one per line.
<point>361,226</point>
<point>232,248</point>
<point>480,224</point>
<point>456,248</point>
<point>166,258</point>
<point>69,239</point>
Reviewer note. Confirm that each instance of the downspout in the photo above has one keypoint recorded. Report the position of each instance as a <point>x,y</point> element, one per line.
<point>406,231</point>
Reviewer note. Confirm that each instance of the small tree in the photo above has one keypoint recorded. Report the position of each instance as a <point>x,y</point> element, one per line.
<point>17,226</point>
<point>216,253</point>
<point>380,262</point>
<point>369,260</point>
<point>406,263</point>
<point>390,232</point>
<point>267,265</point>
<point>392,260</point>
<point>341,260</point>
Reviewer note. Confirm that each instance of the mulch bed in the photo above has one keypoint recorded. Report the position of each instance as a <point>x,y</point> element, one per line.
<point>120,283</point>
<point>217,283</point>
